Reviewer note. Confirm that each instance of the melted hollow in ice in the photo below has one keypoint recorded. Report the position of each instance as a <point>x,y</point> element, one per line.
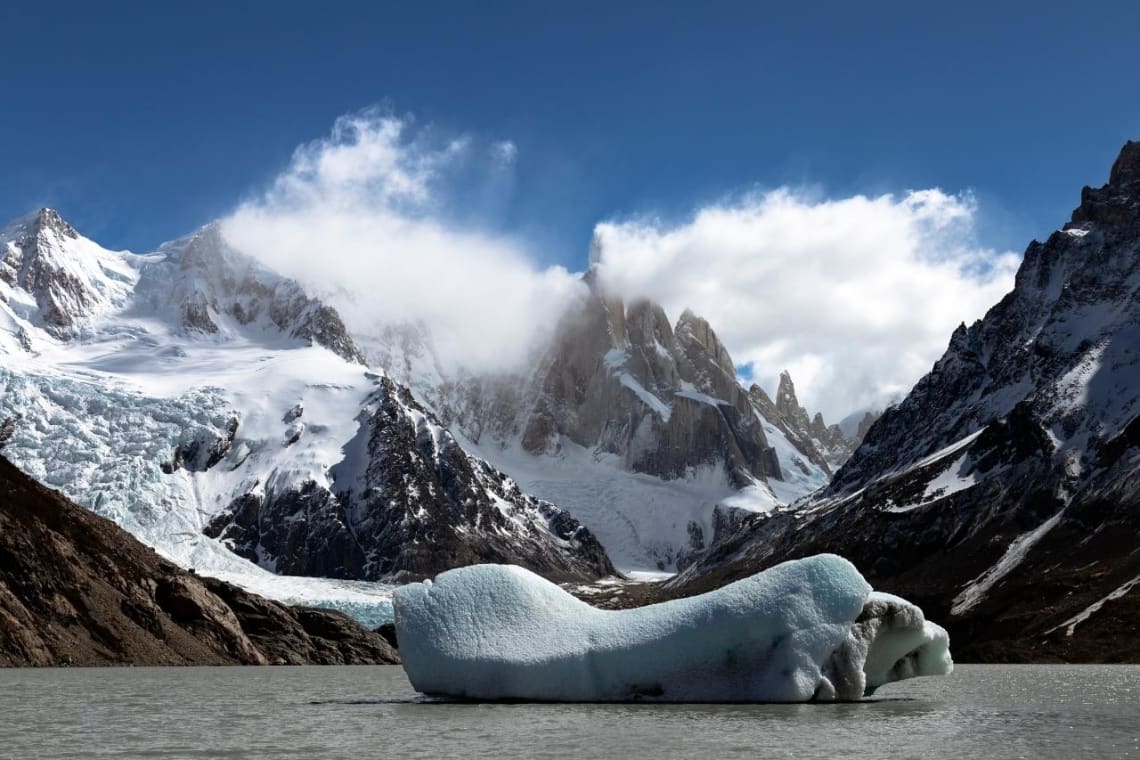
<point>805,629</point>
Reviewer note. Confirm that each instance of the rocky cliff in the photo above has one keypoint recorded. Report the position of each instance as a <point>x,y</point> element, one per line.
<point>1003,494</point>
<point>825,446</point>
<point>624,380</point>
<point>406,502</point>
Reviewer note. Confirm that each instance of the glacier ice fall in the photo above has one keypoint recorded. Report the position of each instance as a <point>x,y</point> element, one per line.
<point>805,630</point>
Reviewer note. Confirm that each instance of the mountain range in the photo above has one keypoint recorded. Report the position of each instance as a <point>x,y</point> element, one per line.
<point>1003,493</point>
<point>227,417</point>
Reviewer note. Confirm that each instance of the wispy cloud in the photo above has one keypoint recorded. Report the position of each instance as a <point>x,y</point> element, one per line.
<point>857,296</point>
<point>374,210</point>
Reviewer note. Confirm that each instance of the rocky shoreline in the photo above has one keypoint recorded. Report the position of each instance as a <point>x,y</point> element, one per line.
<point>77,590</point>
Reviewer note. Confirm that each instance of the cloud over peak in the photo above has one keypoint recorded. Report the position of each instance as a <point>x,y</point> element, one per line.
<point>855,296</point>
<point>371,211</point>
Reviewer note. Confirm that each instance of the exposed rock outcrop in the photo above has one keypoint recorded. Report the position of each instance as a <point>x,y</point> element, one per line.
<point>621,379</point>
<point>77,590</point>
<point>408,502</point>
<point>70,279</point>
<point>1003,494</point>
<point>825,446</point>
<point>216,288</point>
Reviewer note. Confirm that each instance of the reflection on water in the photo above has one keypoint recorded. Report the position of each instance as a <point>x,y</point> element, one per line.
<point>254,713</point>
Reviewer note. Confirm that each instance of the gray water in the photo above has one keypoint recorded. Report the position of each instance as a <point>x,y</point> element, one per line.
<point>371,712</point>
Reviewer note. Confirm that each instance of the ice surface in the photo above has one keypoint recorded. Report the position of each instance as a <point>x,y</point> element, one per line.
<point>662,409</point>
<point>807,629</point>
<point>644,522</point>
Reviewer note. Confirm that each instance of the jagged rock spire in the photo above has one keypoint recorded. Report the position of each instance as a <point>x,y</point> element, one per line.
<point>1126,168</point>
<point>49,219</point>
<point>1118,202</point>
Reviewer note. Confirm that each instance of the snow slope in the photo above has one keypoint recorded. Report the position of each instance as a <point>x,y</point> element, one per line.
<point>100,419</point>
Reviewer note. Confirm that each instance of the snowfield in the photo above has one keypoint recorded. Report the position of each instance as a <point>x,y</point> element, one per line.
<point>646,523</point>
<point>108,384</point>
<point>809,629</point>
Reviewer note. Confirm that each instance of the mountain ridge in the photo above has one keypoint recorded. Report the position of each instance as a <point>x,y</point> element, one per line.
<point>211,385</point>
<point>999,493</point>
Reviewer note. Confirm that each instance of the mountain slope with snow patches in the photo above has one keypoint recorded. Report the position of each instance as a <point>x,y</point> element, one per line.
<point>1003,493</point>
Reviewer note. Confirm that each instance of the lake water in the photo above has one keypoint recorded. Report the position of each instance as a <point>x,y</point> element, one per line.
<point>981,711</point>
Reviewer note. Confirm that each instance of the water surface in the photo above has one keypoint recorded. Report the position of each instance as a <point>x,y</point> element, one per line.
<point>981,711</point>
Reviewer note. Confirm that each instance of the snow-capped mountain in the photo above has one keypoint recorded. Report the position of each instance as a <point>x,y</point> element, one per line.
<point>205,286</point>
<point>404,503</point>
<point>191,390</point>
<point>637,425</point>
<point>228,416</point>
<point>664,399</point>
<point>55,280</point>
<point>1004,492</point>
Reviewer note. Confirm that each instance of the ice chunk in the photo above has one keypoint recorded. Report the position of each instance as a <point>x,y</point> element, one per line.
<point>806,629</point>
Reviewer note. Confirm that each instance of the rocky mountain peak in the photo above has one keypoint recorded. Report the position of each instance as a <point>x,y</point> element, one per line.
<point>216,288</point>
<point>786,401</point>
<point>825,446</point>
<point>1118,202</point>
<point>49,219</point>
<point>619,379</point>
<point>1058,342</point>
<point>70,278</point>
<point>31,226</point>
<point>694,329</point>
<point>1126,169</point>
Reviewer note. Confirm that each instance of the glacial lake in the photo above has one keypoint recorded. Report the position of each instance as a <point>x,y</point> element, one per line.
<point>981,711</point>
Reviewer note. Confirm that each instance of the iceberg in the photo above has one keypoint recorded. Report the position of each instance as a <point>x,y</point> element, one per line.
<point>809,629</point>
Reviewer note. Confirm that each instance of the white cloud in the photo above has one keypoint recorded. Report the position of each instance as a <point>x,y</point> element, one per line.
<point>505,152</point>
<point>856,297</point>
<point>371,210</point>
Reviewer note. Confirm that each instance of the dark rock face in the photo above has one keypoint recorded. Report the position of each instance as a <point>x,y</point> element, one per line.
<point>623,380</point>
<point>1070,316</point>
<point>202,453</point>
<point>407,504</point>
<point>1003,494</point>
<point>77,590</point>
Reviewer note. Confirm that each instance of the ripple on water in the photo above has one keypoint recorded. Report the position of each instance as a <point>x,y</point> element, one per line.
<point>313,712</point>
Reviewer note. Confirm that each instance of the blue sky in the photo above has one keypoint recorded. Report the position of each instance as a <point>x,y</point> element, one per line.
<point>141,121</point>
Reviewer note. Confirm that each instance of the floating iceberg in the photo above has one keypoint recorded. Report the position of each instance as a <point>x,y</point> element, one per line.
<point>810,629</point>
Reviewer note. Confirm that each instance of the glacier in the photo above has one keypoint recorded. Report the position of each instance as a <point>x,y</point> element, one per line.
<point>805,630</point>
<point>163,390</point>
